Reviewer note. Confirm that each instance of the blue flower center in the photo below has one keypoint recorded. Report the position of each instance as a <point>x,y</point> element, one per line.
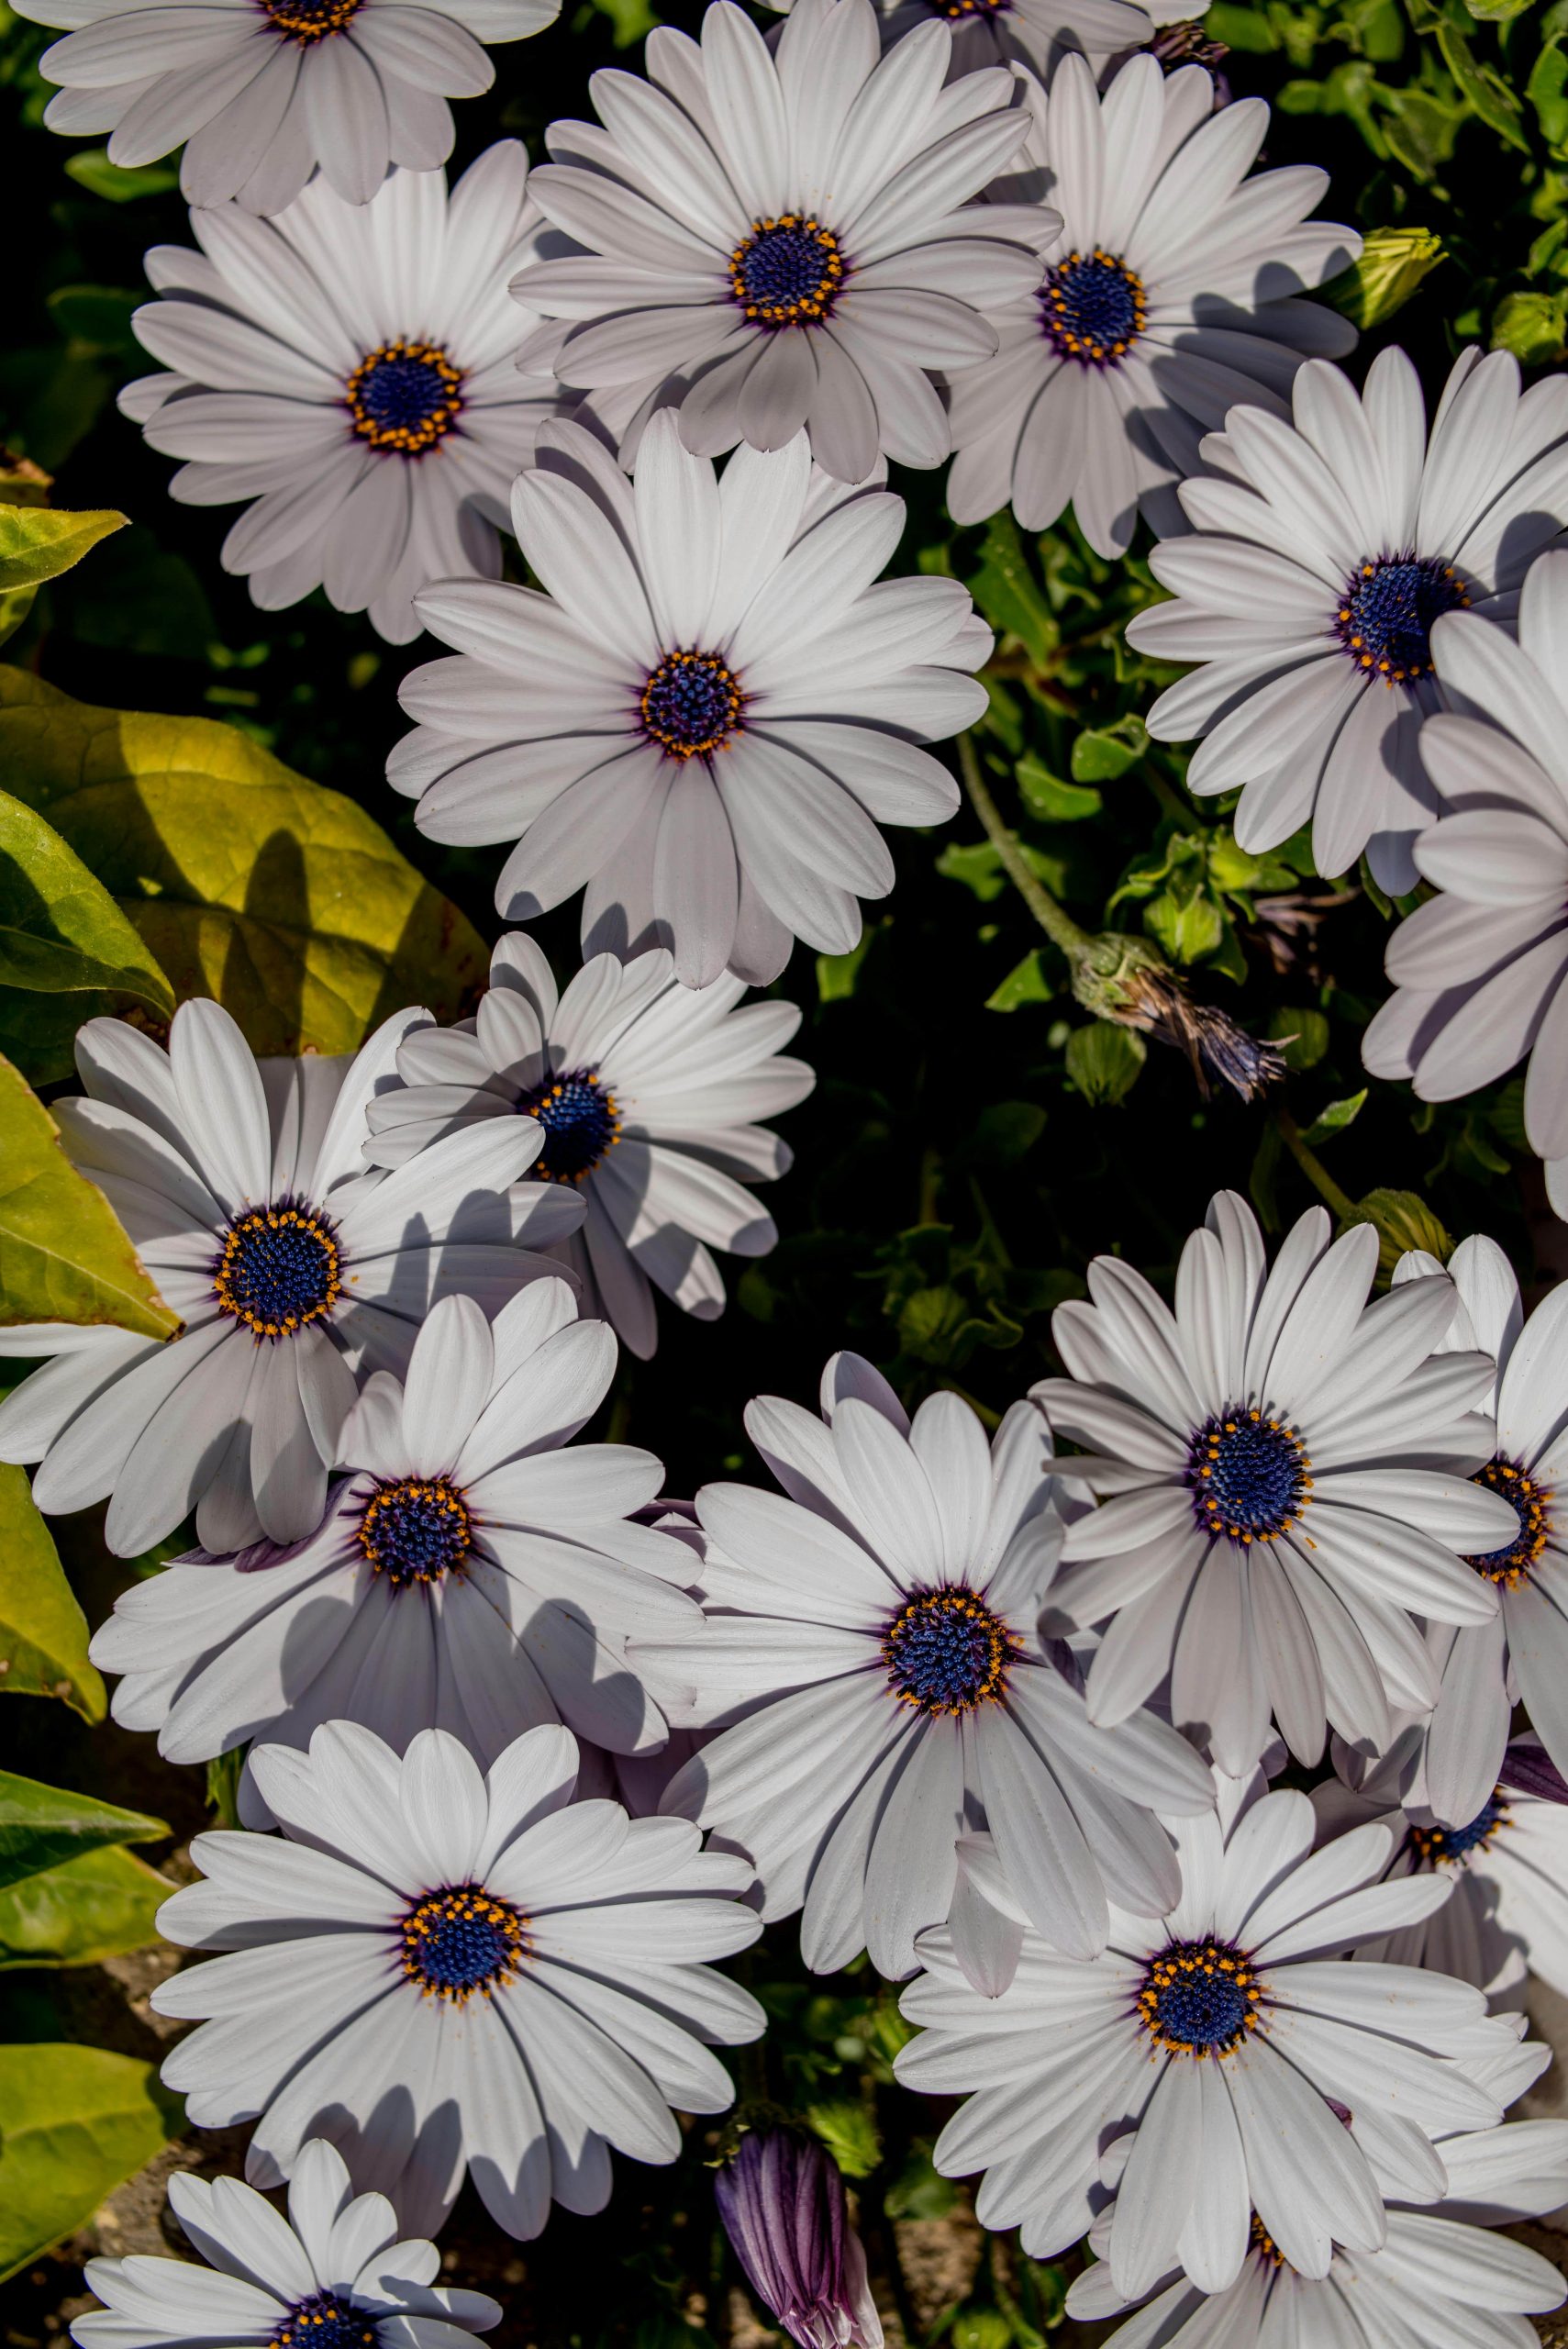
<point>1247,1475</point>
<point>461,1940</point>
<point>325,2322</point>
<point>581,1121</point>
<point>405,396</point>
<point>415,1530</point>
<point>1093,309</point>
<point>1445,1846</point>
<point>1512,1563</point>
<point>946,1652</point>
<point>691,705</point>
<point>787,273</point>
<point>1199,1997</point>
<point>305,22</point>
<point>279,1269</point>
<point>1385,613</point>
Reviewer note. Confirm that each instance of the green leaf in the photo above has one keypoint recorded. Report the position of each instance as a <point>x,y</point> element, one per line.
<point>1105,1060</point>
<point>1003,1132</point>
<point>38,543</point>
<point>1533,325</point>
<point>1485,92</point>
<point>1404,1221</point>
<point>1047,796</point>
<point>98,1906</point>
<point>42,1826</point>
<point>61,936</point>
<point>64,1254</point>
<point>1393,264</point>
<point>1335,1117</point>
<point>1547,90</point>
<point>1188,927</point>
<point>920,2191</point>
<point>1303,1035</point>
<point>99,315</point>
<point>43,1632</point>
<point>284,901</point>
<point>848,2132</point>
<point>1025,982</point>
<point>1007,592</point>
<point>1240,29</point>
<point>839,975</point>
<point>78,2122</point>
<point>94,172</point>
<point>1102,754</point>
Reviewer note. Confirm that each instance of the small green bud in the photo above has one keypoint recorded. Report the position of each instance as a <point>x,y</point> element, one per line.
<point>1404,1221</point>
<point>1393,264</point>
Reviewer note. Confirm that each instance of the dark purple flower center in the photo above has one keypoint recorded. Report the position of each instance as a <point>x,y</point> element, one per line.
<point>1445,1846</point>
<point>1093,309</point>
<point>415,1530</point>
<point>325,2322</point>
<point>581,1121</point>
<point>1199,1997</point>
<point>1247,1476</point>
<point>1384,616</point>
<point>279,1269</point>
<point>692,704</point>
<point>305,22</point>
<point>946,1652</point>
<point>405,396</point>
<point>1510,1564</point>
<point>461,1940</point>
<point>787,273</point>
<point>963,12</point>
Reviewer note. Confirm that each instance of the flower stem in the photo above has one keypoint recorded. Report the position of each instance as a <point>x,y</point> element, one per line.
<point>1058,925</point>
<point>1312,1166</point>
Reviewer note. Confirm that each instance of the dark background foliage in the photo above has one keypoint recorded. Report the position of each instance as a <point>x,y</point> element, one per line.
<point>974,1138</point>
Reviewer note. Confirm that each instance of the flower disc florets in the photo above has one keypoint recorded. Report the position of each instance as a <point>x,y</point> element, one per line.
<point>691,705</point>
<point>405,397</point>
<point>1385,613</point>
<point>581,1119</point>
<point>1530,1501</point>
<point>1093,308</point>
<point>305,22</point>
<point>787,273</point>
<point>325,2322</point>
<point>1444,1847</point>
<point>279,1270</point>
<point>947,1653</point>
<point>1247,1476</point>
<point>415,1530</point>
<point>461,1940</point>
<point>1199,1997</point>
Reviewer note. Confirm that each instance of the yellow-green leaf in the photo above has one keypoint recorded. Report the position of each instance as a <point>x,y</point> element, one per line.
<point>64,1255</point>
<point>42,1827</point>
<point>66,949</point>
<point>78,2121</point>
<point>37,542</point>
<point>43,1632</point>
<point>284,901</point>
<point>97,1905</point>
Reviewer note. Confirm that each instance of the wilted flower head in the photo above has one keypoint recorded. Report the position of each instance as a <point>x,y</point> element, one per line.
<point>782,2201</point>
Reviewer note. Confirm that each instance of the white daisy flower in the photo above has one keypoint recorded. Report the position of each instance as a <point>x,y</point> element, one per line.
<point>1440,2276</point>
<point>1478,968</point>
<point>773,239</point>
<point>296,1273</point>
<point>1509,1915</point>
<point>872,1657</point>
<point>1228,2042</point>
<point>468,1574</point>
<point>333,2274</point>
<point>1284,1479</point>
<point>350,369</point>
<point>448,1971</point>
<point>1521,1651</point>
<point>648,1094</point>
<point>264,96</point>
<point>1324,551</point>
<point>1171,293</point>
<point>706,714</point>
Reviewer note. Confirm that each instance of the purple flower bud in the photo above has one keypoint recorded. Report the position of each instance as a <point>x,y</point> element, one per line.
<point>1528,1770</point>
<point>782,2201</point>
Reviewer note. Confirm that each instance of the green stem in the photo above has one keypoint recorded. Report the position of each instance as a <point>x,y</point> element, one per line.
<point>1059,926</point>
<point>1312,1166</point>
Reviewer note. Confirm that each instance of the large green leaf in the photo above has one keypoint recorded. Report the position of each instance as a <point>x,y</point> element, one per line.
<point>89,1909</point>
<point>66,949</point>
<point>42,1826</point>
<point>78,2121</point>
<point>38,543</point>
<point>284,900</point>
<point>43,1632</point>
<point>64,1255</point>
